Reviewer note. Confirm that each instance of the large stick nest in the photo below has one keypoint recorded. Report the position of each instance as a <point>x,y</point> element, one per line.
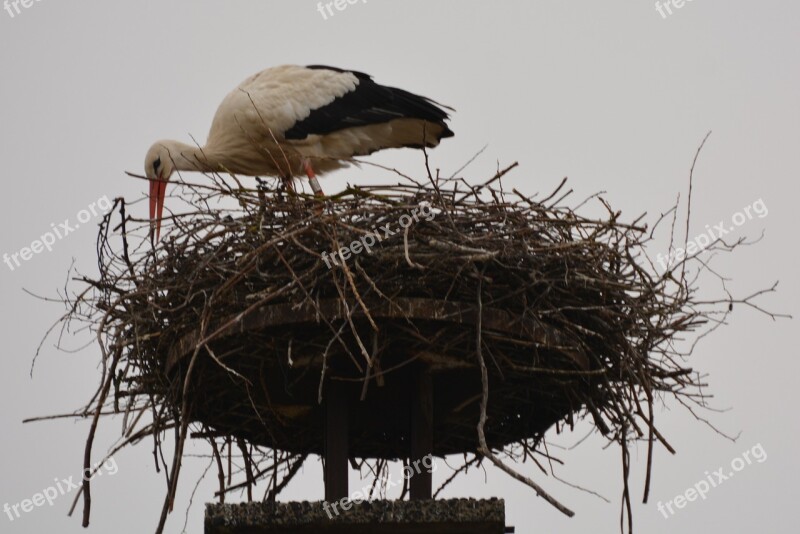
<point>525,313</point>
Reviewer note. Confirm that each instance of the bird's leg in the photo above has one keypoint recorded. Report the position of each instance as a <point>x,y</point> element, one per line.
<point>312,178</point>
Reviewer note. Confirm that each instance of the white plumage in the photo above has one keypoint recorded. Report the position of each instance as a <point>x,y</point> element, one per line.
<point>290,120</point>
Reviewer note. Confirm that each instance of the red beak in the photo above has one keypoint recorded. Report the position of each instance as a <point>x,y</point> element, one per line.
<point>158,189</point>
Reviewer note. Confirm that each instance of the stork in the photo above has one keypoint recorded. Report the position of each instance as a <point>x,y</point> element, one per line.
<point>292,119</point>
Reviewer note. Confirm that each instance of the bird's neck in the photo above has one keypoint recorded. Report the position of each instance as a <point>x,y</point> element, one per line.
<point>188,157</point>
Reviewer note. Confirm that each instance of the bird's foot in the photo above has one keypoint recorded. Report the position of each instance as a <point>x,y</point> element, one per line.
<point>312,180</point>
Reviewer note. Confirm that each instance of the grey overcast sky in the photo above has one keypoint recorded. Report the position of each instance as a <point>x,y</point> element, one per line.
<point>614,95</point>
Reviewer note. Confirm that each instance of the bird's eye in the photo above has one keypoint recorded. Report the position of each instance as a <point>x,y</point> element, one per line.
<point>157,164</point>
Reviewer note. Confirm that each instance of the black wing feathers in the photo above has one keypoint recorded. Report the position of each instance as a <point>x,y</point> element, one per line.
<point>369,103</point>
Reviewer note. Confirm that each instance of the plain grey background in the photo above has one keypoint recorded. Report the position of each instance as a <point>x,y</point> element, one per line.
<point>611,94</point>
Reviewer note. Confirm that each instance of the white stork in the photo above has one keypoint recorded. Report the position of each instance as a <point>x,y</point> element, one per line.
<point>291,119</point>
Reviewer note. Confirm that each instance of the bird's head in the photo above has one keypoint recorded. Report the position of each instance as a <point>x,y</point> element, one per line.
<point>158,167</point>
